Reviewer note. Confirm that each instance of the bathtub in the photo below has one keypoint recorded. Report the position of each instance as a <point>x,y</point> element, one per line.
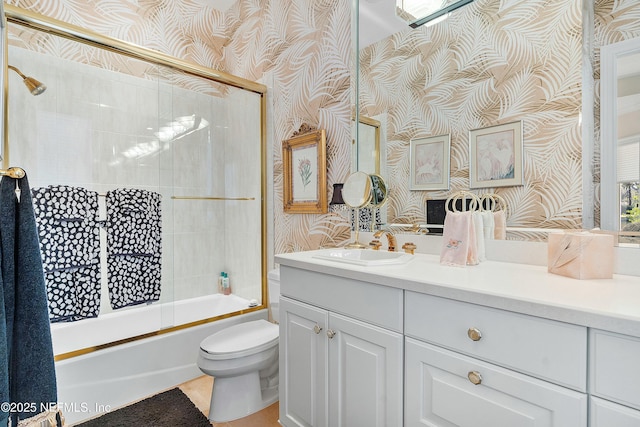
<point>98,381</point>
<point>138,320</point>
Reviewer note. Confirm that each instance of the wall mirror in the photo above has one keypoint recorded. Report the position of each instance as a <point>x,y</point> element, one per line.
<point>365,155</point>
<point>620,154</point>
<point>458,75</point>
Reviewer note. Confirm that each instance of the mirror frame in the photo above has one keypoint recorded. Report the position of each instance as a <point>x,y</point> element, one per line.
<point>356,158</point>
<point>609,197</point>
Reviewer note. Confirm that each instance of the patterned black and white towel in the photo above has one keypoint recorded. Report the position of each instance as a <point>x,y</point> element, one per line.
<point>68,229</point>
<point>134,246</point>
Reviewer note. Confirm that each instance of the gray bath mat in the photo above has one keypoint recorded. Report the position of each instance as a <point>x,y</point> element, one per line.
<point>168,409</point>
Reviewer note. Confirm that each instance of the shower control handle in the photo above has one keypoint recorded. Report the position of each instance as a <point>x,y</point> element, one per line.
<point>317,329</point>
<point>331,333</point>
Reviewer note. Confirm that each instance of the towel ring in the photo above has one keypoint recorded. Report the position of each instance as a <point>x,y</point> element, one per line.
<point>488,203</point>
<point>463,195</point>
<point>492,202</point>
<point>501,203</point>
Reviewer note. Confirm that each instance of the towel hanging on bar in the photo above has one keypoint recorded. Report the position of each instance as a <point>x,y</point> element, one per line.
<point>26,352</point>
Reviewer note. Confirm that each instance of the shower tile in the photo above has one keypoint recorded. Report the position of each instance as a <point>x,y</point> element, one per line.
<point>118,95</point>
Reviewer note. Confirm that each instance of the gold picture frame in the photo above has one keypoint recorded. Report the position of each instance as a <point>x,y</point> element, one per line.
<point>304,159</point>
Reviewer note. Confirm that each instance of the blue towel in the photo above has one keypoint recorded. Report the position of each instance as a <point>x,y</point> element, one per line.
<point>26,355</point>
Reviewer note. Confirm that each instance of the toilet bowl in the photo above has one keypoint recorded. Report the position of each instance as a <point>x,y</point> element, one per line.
<point>243,360</point>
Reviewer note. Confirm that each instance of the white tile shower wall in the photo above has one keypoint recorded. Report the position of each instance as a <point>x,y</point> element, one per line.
<point>76,134</point>
<point>242,179</point>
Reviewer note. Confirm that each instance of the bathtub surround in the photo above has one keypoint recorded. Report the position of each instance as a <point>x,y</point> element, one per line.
<point>209,180</point>
<point>74,338</point>
<point>134,246</point>
<point>27,378</point>
<point>67,220</point>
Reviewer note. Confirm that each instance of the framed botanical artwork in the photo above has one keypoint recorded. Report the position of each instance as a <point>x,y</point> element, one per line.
<point>305,173</point>
<point>495,156</point>
<point>429,163</point>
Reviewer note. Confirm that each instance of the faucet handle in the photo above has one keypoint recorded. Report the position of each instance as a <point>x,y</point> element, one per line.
<point>409,248</point>
<point>375,244</point>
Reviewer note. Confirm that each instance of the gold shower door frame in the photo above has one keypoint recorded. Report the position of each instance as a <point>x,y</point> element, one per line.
<point>20,16</point>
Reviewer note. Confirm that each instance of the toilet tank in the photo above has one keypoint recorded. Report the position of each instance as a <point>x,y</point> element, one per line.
<point>273,284</point>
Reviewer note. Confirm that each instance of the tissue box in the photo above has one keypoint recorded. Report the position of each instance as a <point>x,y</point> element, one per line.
<point>581,255</point>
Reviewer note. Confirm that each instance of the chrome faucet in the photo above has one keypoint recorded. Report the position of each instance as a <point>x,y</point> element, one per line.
<point>391,239</point>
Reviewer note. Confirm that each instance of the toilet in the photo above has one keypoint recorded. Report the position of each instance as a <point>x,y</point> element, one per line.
<point>243,360</point>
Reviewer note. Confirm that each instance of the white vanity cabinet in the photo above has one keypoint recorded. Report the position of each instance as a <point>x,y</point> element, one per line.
<point>341,352</point>
<point>472,366</point>
<point>615,379</point>
<point>421,344</point>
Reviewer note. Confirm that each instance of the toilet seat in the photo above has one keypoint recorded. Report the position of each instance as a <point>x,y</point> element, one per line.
<point>240,340</point>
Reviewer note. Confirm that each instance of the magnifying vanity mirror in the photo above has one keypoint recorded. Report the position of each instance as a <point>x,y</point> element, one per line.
<point>362,190</point>
<point>356,191</point>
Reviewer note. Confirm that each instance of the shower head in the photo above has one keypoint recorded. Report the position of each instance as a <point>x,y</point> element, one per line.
<point>34,86</point>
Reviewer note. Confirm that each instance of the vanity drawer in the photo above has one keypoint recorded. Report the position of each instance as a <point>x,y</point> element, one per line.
<point>613,367</point>
<point>546,349</point>
<point>369,302</point>
<point>445,388</point>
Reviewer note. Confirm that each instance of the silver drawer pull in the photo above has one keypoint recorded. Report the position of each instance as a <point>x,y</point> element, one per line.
<point>474,334</point>
<point>331,333</point>
<point>474,377</point>
<point>317,329</point>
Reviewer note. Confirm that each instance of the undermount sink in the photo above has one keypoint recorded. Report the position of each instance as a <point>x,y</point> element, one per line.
<point>365,257</point>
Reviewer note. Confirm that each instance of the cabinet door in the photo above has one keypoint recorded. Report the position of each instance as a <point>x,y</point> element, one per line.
<point>613,360</point>
<point>609,414</point>
<point>303,364</point>
<point>365,374</point>
<point>439,392</point>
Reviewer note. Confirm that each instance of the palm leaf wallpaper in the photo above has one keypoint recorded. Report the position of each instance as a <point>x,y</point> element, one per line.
<point>491,62</point>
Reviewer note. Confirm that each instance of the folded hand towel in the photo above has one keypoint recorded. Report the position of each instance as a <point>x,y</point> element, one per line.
<point>488,225</point>
<point>478,229</point>
<point>459,240</point>
<point>500,230</point>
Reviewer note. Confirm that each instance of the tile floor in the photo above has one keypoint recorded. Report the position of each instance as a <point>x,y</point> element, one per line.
<point>199,391</point>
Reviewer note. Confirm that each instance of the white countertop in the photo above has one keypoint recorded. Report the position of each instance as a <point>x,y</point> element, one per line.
<point>609,304</point>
